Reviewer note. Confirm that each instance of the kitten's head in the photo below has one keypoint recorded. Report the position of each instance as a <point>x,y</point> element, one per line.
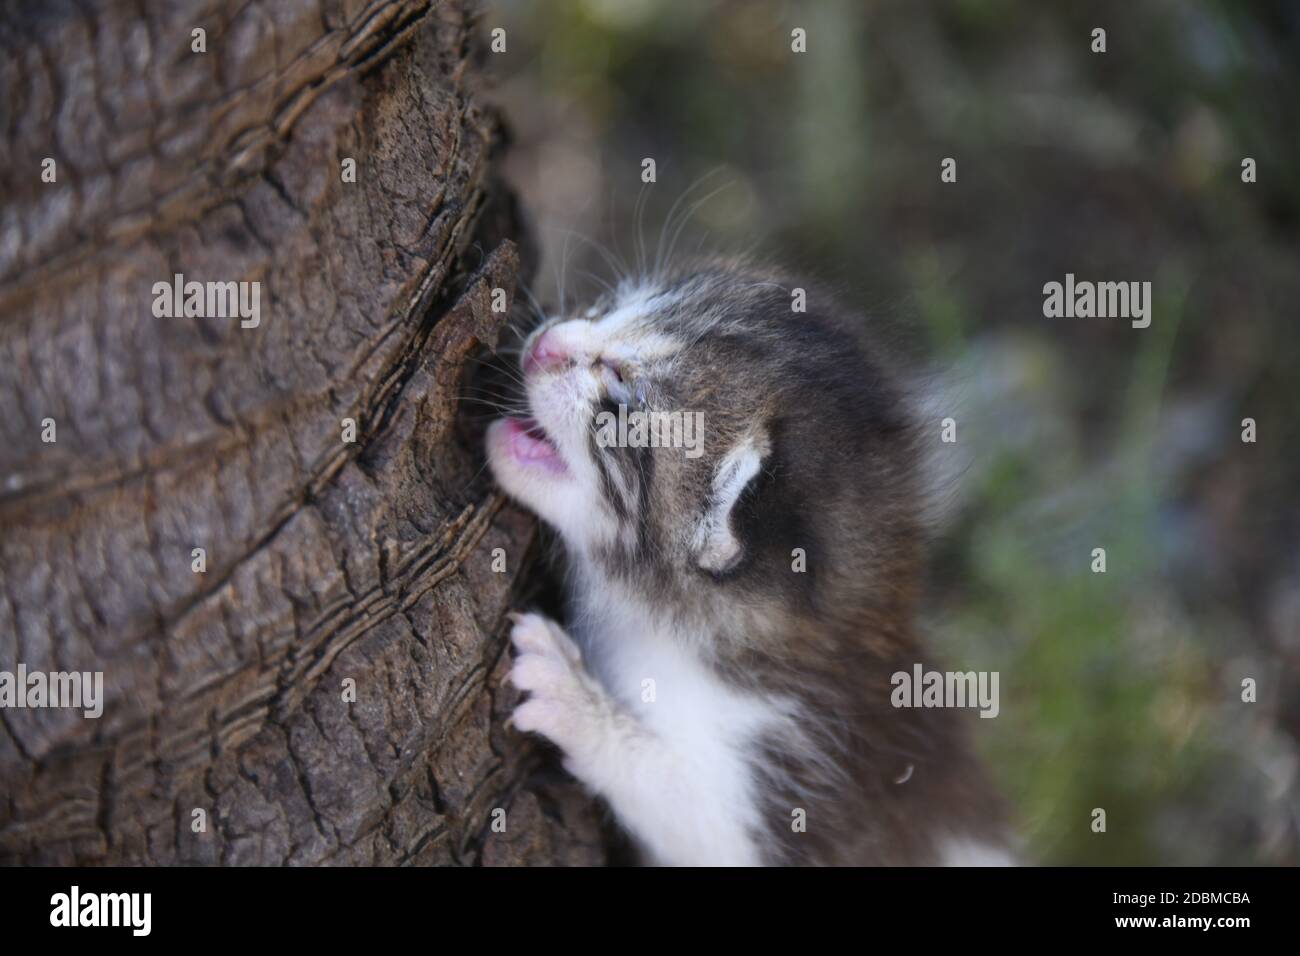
<point>787,466</point>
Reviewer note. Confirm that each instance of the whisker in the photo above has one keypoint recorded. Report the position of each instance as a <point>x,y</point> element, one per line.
<point>668,220</point>
<point>595,278</point>
<point>689,214</point>
<point>615,263</point>
<point>638,222</point>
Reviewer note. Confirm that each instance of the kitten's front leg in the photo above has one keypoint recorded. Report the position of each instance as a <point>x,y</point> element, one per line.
<point>565,705</point>
<point>656,792</point>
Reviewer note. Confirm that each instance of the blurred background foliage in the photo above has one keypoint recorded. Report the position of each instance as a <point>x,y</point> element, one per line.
<point>1119,690</point>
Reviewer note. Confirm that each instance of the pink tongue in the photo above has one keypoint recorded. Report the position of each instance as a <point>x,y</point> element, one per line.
<point>528,443</point>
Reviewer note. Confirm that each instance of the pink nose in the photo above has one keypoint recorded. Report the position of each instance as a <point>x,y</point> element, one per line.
<point>545,355</point>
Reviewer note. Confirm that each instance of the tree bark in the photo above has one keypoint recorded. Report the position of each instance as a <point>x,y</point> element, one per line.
<point>227,734</point>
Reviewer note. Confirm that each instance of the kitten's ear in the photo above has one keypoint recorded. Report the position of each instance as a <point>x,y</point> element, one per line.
<point>717,549</point>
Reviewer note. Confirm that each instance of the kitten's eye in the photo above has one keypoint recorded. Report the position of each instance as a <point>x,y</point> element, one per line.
<point>615,384</point>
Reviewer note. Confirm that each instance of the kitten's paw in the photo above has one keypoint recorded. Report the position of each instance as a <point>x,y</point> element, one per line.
<point>564,703</point>
<point>535,634</point>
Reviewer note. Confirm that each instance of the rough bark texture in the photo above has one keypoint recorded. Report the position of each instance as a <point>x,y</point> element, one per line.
<point>325,560</point>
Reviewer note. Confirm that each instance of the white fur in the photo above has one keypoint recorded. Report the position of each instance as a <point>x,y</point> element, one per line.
<point>672,768</point>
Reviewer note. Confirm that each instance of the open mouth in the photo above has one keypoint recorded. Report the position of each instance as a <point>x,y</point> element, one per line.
<point>530,445</point>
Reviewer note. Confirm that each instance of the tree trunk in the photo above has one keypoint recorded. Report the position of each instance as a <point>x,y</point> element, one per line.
<point>228,732</point>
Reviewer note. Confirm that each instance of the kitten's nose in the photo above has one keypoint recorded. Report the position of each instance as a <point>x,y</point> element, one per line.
<point>546,354</point>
